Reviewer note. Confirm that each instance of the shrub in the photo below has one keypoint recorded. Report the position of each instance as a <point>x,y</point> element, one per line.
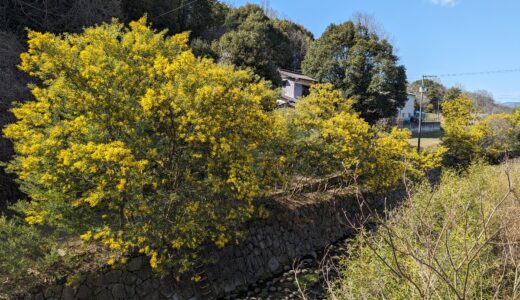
<point>32,257</point>
<point>461,241</point>
<point>23,253</point>
<point>500,136</point>
<point>460,136</point>
<point>135,142</point>
<point>467,137</point>
<point>331,137</point>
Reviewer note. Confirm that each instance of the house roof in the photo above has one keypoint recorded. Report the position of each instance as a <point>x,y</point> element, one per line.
<point>295,75</point>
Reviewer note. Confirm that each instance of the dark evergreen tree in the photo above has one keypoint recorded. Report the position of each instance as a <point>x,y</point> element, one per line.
<point>202,17</point>
<point>56,15</point>
<point>432,97</point>
<point>300,39</point>
<point>452,93</point>
<point>253,42</point>
<point>357,61</point>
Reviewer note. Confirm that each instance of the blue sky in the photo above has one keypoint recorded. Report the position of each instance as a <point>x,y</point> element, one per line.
<point>433,36</point>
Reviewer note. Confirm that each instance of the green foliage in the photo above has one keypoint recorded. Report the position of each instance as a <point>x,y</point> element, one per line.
<point>133,141</point>
<point>299,39</point>
<point>500,136</point>
<point>253,42</point>
<point>57,15</point>
<point>457,242</point>
<point>20,245</point>
<point>362,65</point>
<point>24,255</point>
<point>201,17</point>
<point>31,257</point>
<point>306,280</point>
<point>452,93</point>
<point>202,48</point>
<point>434,94</point>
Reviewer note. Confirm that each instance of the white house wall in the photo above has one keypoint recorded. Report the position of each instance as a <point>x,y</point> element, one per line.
<point>407,111</point>
<point>289,88</point>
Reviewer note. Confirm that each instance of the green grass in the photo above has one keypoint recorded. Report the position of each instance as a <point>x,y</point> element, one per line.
<point>432,117</point>
<point>306,279</point>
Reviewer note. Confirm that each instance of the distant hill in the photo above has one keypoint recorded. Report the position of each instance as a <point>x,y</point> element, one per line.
<point>511,104</point>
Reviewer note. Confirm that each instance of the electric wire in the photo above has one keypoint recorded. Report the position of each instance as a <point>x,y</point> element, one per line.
<point>177,8</point>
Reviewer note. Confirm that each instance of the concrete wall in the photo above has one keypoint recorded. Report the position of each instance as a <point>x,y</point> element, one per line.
<point>425,127</point>
<point>293,230</point>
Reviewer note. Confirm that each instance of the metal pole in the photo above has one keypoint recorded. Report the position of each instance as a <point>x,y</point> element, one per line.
<point>439,110</point>
<point>420,116</point>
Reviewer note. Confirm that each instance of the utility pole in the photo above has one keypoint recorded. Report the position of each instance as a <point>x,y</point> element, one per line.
<point>420,115</point>
<point>423,89</point>
<point>438,110</point>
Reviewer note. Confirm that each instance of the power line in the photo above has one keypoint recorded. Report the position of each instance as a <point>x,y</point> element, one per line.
<point>480,73</point>
<point>177,8</point>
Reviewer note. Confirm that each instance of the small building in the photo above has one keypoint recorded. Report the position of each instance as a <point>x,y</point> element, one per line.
<point>408,117</point>
<point>294,86</point>
<point>407,112</point>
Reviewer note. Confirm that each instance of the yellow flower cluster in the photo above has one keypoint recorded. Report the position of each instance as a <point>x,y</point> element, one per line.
<point>342,140</point>
<point>135,142</point>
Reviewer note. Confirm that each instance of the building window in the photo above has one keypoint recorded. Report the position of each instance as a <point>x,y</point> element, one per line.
<point>305,90</point>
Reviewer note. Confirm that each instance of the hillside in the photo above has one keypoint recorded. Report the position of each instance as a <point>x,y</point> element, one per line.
<point>511,104</point>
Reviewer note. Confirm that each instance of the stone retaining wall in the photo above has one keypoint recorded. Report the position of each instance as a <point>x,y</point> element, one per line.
<point>271,244</point>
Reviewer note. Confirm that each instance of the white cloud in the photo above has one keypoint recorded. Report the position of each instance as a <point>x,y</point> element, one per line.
<point>444,2</point>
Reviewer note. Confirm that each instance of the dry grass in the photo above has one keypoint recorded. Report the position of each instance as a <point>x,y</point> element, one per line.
<point>459,241</point>
<point>426,142</point>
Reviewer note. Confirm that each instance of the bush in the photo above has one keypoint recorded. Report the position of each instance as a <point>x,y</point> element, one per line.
<point>135,142</point>
<point>461,241</point>
<point>329,137</point>
<point>460,136</point>
<point>32,257</point>
<point>467,137</point>
<point>23,253</point>
<point>500,137</point>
